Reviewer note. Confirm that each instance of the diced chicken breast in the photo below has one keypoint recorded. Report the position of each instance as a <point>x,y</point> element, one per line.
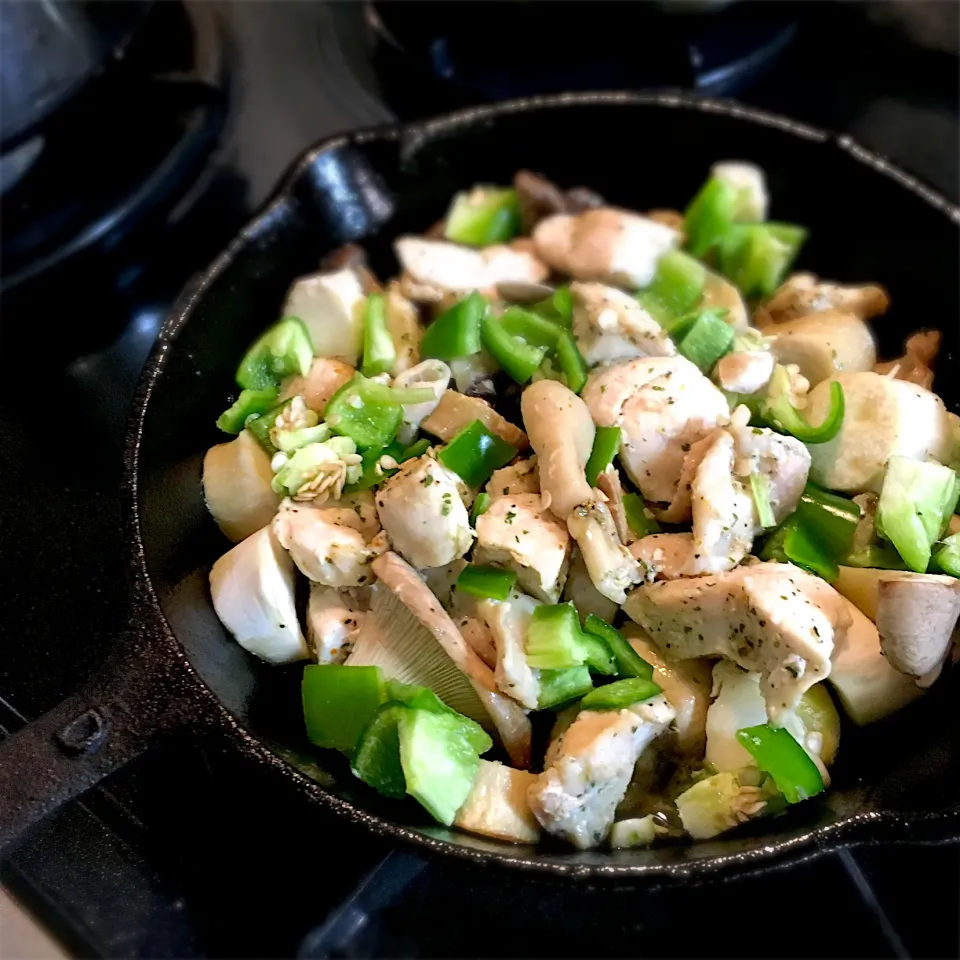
<point>610,325</point>
<point>803,293</point>
<point>822,344</point>
<point>519,533</point>
<point>403,322</point>
<point>324,378</point>
<point>748,371</point>
<point>662,405</point>
<point>772,618</point>
<point>331,306</point>
<point>607,245</point>
<point>664,556</point>
<point>589,767</point>
<point>326,543</point>
<point>497,805</point>
<point>333,622</point>
<point>450,268</point>
<point>509,621</point>
<point>520,477</point>
<point>423,513</point>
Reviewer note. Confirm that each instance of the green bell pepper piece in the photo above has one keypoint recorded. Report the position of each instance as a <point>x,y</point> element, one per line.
<point>486,582</point>
<point>261,426</point>
<point>629,663</point>
<point>558,307</point>
<point>946,558</point>
<point>558,687</point>
<point>760,489</point>
<point>831,519</point>
<point>572,365</point>
<point>369,412</point>
<point>636,513</point>
<point>554,637</point>
<point>518,359</point>
<point>483,216</point>
<point>530,327</point>
<point>757,256</point>
<point>379,351</point>
<point>456,332</point>
<point>620,694</point>
<point>606,443</point>
<point>338,702</point>
<point>377,757</point>
<point>250,403</point>
<point>784,417</point>
<point>474,453</point>
<point>480,506</point>
<point>777,753</point>
<point>792,542</point>
<point>709,216</point>
<point>678,282</point>
<point>417,697</point>
<point>284,350</point>
<point>706,337</point>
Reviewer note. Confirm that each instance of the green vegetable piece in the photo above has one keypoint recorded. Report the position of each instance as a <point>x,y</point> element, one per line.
<point>417,449</point>
<point>678,282</point>
<point>480,506</point>
<point>439,753</point>
<point>290,440</point>
<point>784,417</point>
<point>558,307</point>
<point>530,327</point>
<point>572,364</point>
<point>792,542</point>
<point>946,557</point>
<point>709,216</point>
<point>705,339</point>
<point>597,655</point>
<point>379,351</point>
<point>760,488</point>
<point>637,519</point>
<point>518,359</point>
<point>660,311</point>
<point>830,519</point>
<point>553,638</point>
<point>916,501</point>
<point>629,662</point>
<point>757,256</point>
<point>377,758</point>
<point>362,413</point>
<point>777,753</point>
<point>302,466</point>
<point>475,452</point>
<point>371,473</point>
<point>559,687</point>
<point>261,426</point>
<point>285,349</point>
<point>620,694</point>
<point>878,556</point>
<point>486,582</point>
<point>483,216</point>
<point>250,403</point>
<point>456,332</point>
<point>417,697</point>
<point>338,702</point>
<point>606,443</point>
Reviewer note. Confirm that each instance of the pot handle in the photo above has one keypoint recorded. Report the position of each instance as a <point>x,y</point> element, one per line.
<point>115,717</point>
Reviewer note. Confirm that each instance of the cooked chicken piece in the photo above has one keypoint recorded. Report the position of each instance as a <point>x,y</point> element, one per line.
<point>456,411</point>
<point>403,322</point>
<point>804,293</point>
<point>435,376</point>
<point>664,556</point>
<point>423,513</point>
<point>746,372</point>
<point>720,294</point>
<point>331,307</point>
<point>520,477</point>
<point>519,533</point>
<point>333,621</point>
<point>610,325</point>
<point>772,618</point>
<point>606,245</point>
<point>324,378</point>
<point>580,591</point>
<point>326,543</point>
<point>509,622</point>
<point>363,508</point>
<point>448,268</point>
<point>824,343</point>
<point>679,508</point>
<point>783,460</point>
<point>588,768</point>
<point>497,805</point>
<point>751,186</point>
<point>685,683</point>
<point>662,405</point>
<point>669,218</point>
<point>916,364</point>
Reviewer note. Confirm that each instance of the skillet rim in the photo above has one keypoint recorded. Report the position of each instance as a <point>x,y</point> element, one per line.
<point>865,827</point>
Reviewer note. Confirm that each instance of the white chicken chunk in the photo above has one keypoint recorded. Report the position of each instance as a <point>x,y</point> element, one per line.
<point>664,556</point>
<point>772,618</point>
<point>509,621</point>
<point>747,371</point>
<point>333,622</point>
<point>662,405</point>
<point>331,306</point>
<point>447,268</point>
<point>587,770</point>
<point>327,543</point>
<point>610,325</point>
<point>520,477</point>
<point>605,244</point>
<point>519,533</point>
<point>423,514</point>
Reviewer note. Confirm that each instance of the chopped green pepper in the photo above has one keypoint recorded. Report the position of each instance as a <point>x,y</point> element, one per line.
<point>480,506</point>
<point>517,358</point>
<point>678,282</point>
<point>620,694</point>
<point>530,327</point>
<point>417,697</point>
<point>946,558</point>
<point>572,364</point>
<point>831,519</point>
<point>784,417</point>
<point>760,488</point>
<point>558,307</point>
<point>416,449</point>
<point>606,443</point>
<point>558,687</point>
<point>369,412</point>
<point>709,216</point>
<point>456,332</point>
<point>638,519</point>
<point>379,351</point>
<point>703,338</point>
<point>483,216</point>
<point>657,309</point>
<point>338,702</point>
<point>777,753</point>
<point>285,349</point>
<point>486,582</point>
<point>475,452</point>
<point>377,757</point>
<point>629,662</point>
<point>792,542</point>
<point>757,256</point>
<point>553,638</point>
<point>249,403</point>
<point>261,426</point>
<point>597,655</point>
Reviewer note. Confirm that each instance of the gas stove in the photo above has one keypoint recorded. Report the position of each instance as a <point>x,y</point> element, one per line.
<point>132,190</point>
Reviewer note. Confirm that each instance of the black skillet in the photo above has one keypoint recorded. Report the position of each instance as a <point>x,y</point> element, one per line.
<point>176,668</point>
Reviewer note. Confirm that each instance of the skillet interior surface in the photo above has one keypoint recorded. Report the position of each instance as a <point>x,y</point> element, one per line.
<point>897,780</point>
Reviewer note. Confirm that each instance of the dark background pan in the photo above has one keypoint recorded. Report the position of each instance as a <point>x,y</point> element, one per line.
<point>177,667</point>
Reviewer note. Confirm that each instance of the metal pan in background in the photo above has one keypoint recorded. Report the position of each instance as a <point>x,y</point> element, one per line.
<point>176,669</point>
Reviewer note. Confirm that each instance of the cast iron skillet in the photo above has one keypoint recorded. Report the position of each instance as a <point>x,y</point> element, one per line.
<point>177,668</point>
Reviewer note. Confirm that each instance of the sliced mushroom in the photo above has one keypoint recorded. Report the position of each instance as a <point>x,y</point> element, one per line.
<point>804,293</point>
<point>523,292</point>
<point>823,344</point>
<point>456,411</point>
<point>608,483</point>
<point>539,198</point>
<point>351,256</point>
<point>916,364</point>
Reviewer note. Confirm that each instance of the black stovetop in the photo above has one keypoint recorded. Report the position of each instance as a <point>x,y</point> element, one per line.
<point>185,853</point>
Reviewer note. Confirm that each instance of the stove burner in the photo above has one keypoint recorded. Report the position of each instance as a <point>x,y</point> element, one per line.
<point>451,54</point>
<point>126,150</point>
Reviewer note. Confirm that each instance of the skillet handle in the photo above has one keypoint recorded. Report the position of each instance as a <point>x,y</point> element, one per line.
<point>114,718</point>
